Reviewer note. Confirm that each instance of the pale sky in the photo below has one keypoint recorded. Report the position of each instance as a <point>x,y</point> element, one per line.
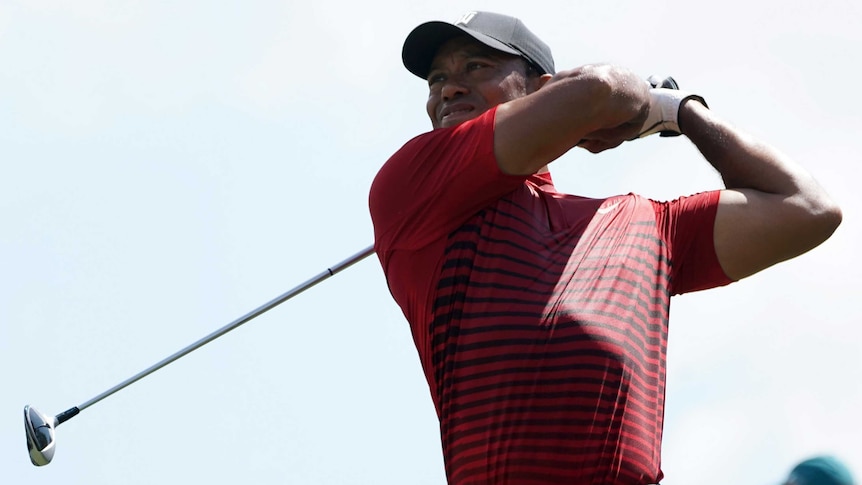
<point>169,166</point>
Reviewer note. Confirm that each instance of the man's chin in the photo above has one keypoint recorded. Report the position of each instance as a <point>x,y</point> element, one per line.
<point>457,119</point>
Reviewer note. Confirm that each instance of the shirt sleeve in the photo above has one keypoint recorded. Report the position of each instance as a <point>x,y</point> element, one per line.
<point>686,225</point>
<point>435,182</point>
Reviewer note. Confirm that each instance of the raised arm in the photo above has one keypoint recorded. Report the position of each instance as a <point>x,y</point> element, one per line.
<point>772,210</point>
<point>597,106</point>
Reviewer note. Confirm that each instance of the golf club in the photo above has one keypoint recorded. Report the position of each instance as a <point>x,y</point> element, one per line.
<point>40,429</point>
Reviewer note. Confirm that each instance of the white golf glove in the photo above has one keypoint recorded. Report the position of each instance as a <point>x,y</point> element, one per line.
<point>665,100</point>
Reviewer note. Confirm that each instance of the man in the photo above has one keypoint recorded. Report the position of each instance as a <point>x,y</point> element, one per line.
<point>541,318</point>
<point>820,470</point>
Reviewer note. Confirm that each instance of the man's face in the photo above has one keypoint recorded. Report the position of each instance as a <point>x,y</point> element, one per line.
<point>468,78</point>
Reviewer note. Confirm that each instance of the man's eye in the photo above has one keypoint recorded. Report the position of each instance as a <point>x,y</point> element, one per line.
<point>435,78</point>
<point>472,66</point>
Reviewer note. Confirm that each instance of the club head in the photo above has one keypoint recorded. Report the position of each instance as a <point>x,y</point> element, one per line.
<point>40,436</point>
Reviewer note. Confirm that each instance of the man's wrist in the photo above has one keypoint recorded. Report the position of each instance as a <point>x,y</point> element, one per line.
<point>690,109</point>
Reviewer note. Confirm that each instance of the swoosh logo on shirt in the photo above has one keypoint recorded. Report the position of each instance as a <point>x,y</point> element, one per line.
<point>605,210</point>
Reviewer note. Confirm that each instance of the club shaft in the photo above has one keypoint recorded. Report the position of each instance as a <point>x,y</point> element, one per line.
<point>234,324</point>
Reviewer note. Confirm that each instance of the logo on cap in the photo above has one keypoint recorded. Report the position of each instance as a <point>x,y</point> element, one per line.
<point>466,18</point>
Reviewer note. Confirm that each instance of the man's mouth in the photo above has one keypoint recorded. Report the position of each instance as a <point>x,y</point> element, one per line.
<point>454,111</point>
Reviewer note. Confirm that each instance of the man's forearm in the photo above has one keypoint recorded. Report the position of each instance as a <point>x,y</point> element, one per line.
<point>600,104</point>
<point>742,161</point>
<point>772,211</point>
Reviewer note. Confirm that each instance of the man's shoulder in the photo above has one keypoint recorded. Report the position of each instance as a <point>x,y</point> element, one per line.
<point>477,127</point>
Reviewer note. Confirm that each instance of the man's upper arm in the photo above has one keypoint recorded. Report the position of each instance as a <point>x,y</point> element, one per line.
<point>436,181</point>
<point>755,230</point>
<point>686,225</point>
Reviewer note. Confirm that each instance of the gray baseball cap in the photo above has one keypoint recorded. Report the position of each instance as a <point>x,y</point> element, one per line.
<point>501,32</point>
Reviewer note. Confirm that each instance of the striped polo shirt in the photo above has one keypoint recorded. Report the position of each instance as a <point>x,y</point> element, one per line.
<point>540,318</point>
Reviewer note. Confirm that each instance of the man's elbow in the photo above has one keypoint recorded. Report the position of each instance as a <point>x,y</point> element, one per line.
<point>823,216</point>
<point>831,217</point>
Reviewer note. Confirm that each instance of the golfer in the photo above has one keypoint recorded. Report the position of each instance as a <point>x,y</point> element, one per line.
<point>541,318</point>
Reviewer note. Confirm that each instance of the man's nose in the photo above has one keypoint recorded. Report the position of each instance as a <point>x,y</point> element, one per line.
<point>453,87</point>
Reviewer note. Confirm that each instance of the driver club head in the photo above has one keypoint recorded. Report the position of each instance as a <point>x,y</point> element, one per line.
<point>40,436</point>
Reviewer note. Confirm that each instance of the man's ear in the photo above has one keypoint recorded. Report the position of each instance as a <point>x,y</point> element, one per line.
<point>536,82</point>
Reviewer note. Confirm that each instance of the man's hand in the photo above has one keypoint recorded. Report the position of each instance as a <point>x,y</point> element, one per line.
<point>665,102</point>
<point>605,139</point>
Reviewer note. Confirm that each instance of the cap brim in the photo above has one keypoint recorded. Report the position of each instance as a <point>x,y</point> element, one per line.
<point>422,44</point>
